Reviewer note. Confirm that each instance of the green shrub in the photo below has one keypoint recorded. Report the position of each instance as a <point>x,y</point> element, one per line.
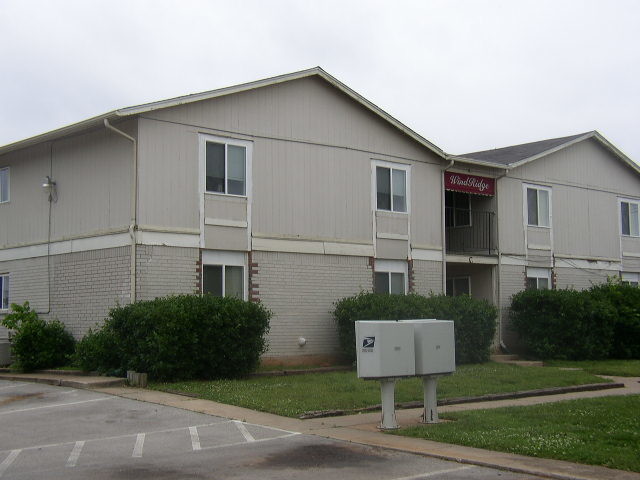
<point>563,324</point>
<point>36,344</point>
<point>474,320</point>
<point>179,337</point>
<point>625,301</point>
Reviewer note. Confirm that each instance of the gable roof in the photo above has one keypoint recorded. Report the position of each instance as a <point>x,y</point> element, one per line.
<point>517,155</point>
<point>98,121</point>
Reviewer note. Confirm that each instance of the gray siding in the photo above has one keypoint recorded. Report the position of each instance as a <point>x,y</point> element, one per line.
<point>581,278</point>
<point>300,290</point>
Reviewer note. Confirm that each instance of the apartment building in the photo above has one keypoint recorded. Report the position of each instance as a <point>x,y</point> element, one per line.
<point>296,191</point>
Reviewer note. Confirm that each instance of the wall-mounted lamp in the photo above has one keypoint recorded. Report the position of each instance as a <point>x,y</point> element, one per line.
<point>50,185</point>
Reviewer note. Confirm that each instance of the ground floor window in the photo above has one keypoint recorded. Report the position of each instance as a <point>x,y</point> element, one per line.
<point>223,274</point>
<point>538,278</point>
<point>390,277</point>
<point>630,278</point>
<point>458,286</point>
<point>4,292</point>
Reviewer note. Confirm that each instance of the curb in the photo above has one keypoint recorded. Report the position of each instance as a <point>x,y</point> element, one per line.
<point>590,387</point>
<point>61,382</point>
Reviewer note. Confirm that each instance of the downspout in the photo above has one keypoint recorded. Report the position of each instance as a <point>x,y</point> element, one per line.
<point>133,226</point>
<point>443,227</point>
<point>499,282</point>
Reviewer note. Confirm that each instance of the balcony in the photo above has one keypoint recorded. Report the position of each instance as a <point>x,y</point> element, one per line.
<point>470,231</point>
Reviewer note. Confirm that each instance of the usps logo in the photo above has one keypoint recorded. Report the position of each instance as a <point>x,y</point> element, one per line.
<point>368,343</point>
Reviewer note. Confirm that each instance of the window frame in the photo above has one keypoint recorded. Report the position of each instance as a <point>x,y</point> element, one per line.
<point>538,189</point>
<point>219,258</point>
<point>5,285</point>
<point>226,141</point>
<point>8,193</point>
<point>391,166</point>
<point>538,273</point>
<point>389,267</point>
<point>453,285</point>
<point>629,202</point>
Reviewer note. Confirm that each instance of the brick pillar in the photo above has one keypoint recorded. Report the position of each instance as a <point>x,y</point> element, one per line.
<point>254,287</point>
<point>412,280</point>
<point>372,266</point>
<point>198,290</point>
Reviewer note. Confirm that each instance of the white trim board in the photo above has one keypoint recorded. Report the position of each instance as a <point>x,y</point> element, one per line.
<point>311,246</point>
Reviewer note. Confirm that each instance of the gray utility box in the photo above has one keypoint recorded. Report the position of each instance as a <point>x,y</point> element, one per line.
<point>434,346</point>
<point>385,349</point>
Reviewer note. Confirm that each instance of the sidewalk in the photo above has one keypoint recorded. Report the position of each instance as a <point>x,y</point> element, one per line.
<point>363,429</point>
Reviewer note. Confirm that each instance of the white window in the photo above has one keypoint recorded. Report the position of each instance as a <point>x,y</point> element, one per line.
<point>4,292</point>
<point>391,187</point>
<point>630,278</point>
<point>391,277</point>
<point>629,218</point>
<point>538,206</point>
<point>4,185</point>
<point>458,286</point>
<point>223,274</point>
<point>225,167</point>
<point>538,278</point>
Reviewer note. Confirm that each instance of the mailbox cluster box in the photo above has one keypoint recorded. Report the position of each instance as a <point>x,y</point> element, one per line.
<point>435,346</point>
<point>385,349</point>
<point>405,348</point>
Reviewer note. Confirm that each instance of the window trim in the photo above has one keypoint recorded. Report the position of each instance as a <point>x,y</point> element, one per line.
<point>628,201</point>
<point>392,266</point>
<point>6,277</point>
<point>538,273</point>
<point>632,278</point>
<point>538,188</point>
<point>374,184</point>
<point>226,141</point>
<point>226,259</point>
<point>8,170</point>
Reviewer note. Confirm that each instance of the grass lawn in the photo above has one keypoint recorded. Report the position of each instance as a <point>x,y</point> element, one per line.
<point>616,368</point>
<point>296,394</point>
<point>602,431</point>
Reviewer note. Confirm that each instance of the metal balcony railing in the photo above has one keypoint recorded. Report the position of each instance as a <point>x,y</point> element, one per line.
<point>470,231</point>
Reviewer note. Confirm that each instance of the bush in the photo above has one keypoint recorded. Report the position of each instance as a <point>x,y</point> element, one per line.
<point>180,337</point>
<point>474,320</point>
<point>563,324</point>
<point>625,302</point>
<point>36,344</point>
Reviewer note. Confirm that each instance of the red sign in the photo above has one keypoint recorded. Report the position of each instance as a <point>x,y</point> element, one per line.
<point>475,184</point>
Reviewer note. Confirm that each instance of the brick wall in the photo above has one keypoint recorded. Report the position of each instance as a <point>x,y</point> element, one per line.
<point>167,271</point>
<point>512,279</point>
<point>87,284</point>
<point>427,277</point>
<point>300,290</point>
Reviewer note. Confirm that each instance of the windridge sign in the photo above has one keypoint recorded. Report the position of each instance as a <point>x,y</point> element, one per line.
<point>475,184</point>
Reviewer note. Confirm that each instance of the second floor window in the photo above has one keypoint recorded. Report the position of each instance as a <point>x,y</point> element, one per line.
<point>538,206</point>
<point>457,212</point>
<point>4,185</point>
<point>226,168</point>
<point>629,218</point>
<point>391,189</point>
<point>4,292</point>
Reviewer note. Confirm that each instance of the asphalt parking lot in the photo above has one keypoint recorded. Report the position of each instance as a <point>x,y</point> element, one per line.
<point>61,433</point>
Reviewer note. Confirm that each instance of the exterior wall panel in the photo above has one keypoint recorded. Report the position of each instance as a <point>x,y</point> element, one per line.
<point>166,271</point>
<point>427,277</point>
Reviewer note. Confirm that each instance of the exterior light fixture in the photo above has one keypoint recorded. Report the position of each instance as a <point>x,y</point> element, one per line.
<point>50,185</point>
<point>48,182</point>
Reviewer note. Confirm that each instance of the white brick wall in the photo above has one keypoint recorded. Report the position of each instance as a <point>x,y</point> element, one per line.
<point>512,279</point>
<point>300,290</point>
<point>166,271</point>
<point>427,277</point>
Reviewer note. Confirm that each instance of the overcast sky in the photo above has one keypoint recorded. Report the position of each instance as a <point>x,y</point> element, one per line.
<point>466,75</point>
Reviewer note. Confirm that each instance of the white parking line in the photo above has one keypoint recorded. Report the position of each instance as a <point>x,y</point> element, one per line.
<point>195,439</point>
<point>239,444</point>
<point>9,460</point>
<point>137,449</point>
<point>14,386</point>
<point>75,454</point>
<point>55,405</point>
<point>431,474</point>
<point>243,430</point>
